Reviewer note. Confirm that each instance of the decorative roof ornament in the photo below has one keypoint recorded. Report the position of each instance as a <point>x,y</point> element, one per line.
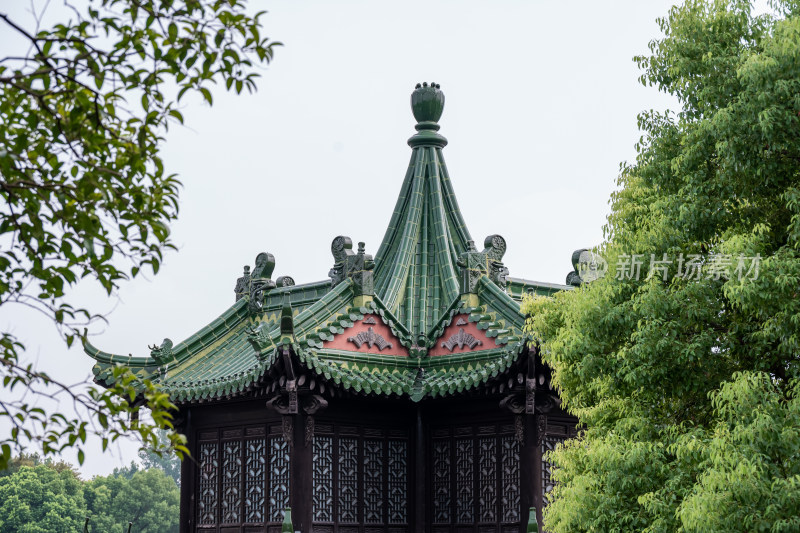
<point>361,272</point>
<point>285,281</point>
<point>370,338</point>
<point>427,104</point>
<point>494,246</point>
<point>341,248</point>
<point>260,281</point>
<point>260,339</point>
<point>161,353</point>
<point>475,264</point>
<point>587,267</point>
<point>243,284</point>
<point>357,266</point>
<point>461,339</point>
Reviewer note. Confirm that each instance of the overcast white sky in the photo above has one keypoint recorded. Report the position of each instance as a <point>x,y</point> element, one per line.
<point>541,105</point>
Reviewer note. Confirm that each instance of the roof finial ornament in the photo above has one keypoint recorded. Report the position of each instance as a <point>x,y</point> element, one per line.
<point>260,281</point>
<point>427,104</point>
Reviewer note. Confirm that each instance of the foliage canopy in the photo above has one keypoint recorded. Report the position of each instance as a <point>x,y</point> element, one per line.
<point>85,194</point>
<point>687,387</point>
<point>46,499</point>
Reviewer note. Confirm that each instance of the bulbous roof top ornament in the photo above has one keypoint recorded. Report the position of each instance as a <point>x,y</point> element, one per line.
<point>427,104</point>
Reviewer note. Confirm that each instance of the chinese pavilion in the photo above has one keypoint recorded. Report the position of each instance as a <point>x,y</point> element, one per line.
<point>398,395</point>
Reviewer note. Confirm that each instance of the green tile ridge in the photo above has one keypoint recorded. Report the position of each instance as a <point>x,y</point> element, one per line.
<point>500,301</point>
<point>416,274</point>
<point>518,288</point>
<point>215,330</point>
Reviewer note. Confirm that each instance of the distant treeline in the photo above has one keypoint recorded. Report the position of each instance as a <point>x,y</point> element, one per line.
<point>39,496</point>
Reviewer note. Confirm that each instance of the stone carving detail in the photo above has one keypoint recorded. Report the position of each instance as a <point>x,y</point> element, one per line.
<point>510,479</point>
<point>341,248</point>
<point>495,249</point>
<point>398,482</point>
<point>243,284</point>
<point>494,246</point>
<point>373,481</point>
<point>348,481</point>
<point>255,470</point>
<point>278,478</point>
<point>260,281</point>
<point>574,277</point>
<point>487,480</point>
<point>231,482</point>
<point>370,338</point>
<point>357,266</point>
<point>260,339</point>
<point>587,266</point>
<point>284,281</point>
<point>161,353</point>
<point>464,484</point>
<point>207,503</point>
<point>322,479</point>
<point>441,482</point>
<point>475,264</point>
<point>361,272</point>
<point>370,320</point>
<point>461,322</point>
<point>461,339</point>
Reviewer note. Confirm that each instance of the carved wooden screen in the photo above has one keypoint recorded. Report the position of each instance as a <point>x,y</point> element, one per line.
<point>556,431</point>
<point>474,479</point>
<point>360,479</point>
<point>243,479</point>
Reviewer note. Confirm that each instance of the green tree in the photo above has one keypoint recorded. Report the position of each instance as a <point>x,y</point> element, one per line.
<point>685,380</point>
<point>40,499</point>
<point>34,459</point>
<point>750,467</point>
<point>149,499</point>
<point>84,106</point>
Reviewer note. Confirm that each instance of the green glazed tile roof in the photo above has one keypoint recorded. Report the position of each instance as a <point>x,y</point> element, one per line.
<point>417,295</point>
<point>416,273</point>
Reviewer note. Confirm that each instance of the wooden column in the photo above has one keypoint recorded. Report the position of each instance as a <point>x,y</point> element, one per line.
<point>530,471</point>
<point>188,474</point>
<point>301,488</point>
<point>420,462</point>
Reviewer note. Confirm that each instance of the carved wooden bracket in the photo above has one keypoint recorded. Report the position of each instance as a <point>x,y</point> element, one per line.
<point>541,429</point>
<point>530,396</point>
<point>519,429</point>
<point>288,431</point>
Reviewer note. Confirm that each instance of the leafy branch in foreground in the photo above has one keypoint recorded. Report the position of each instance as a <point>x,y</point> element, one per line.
<point>84,108</point>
